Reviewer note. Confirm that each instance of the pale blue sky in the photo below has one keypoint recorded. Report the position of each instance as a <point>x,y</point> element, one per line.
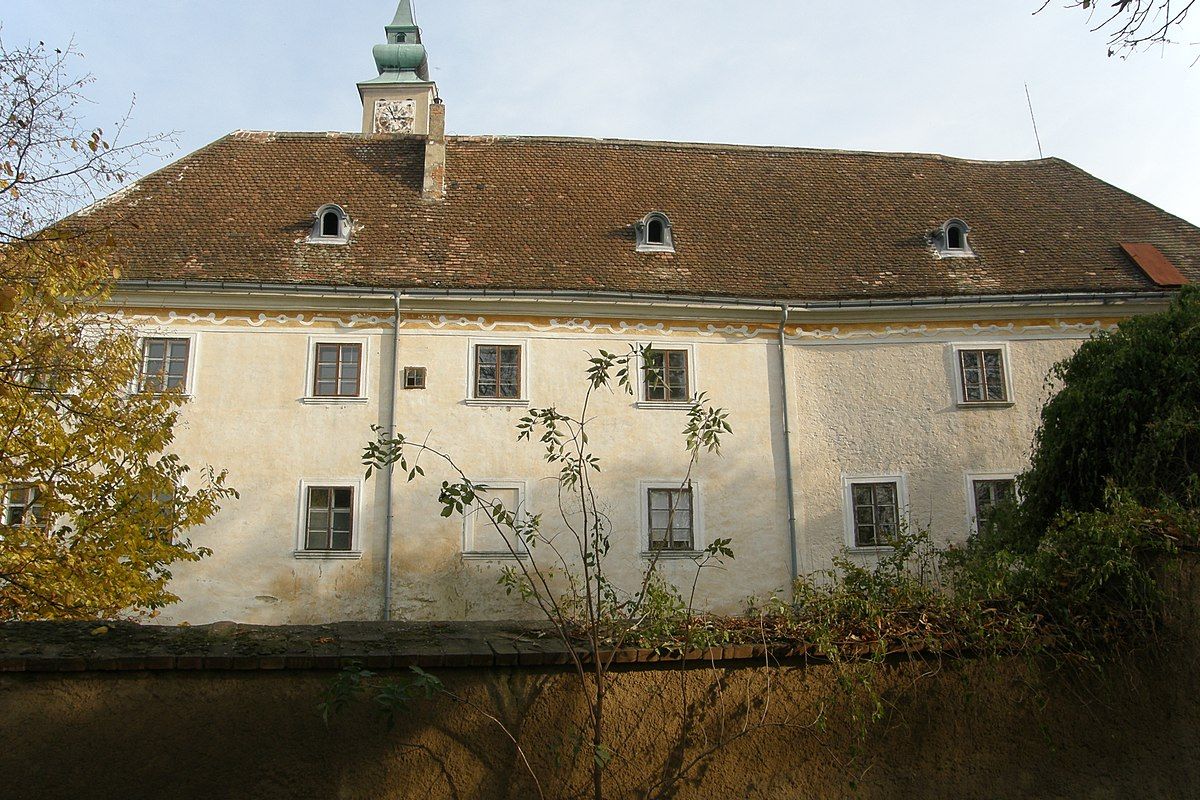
<point>941,76</point>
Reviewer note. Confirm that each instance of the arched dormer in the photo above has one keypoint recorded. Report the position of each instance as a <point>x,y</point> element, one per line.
<point>951,239</point>
<point>330,226</point>
<point>654,234</point>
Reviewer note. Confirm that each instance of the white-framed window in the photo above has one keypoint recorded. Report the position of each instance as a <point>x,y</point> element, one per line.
<point>672,518</point>
<point>483,539</point>
<point>23,506</point>
<point>876,509</point>
<point>666,375</point>
<point>331,225</point>
<point>337,369</point>
<point>498,372</point>
<point>330,518</point>
<point>654,234</point>
<point>986,490</point>
<point>168,363</point>
<point>951,239</point>
<point>981,374</point>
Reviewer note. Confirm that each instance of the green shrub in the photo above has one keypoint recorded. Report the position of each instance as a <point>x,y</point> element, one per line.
<point>1127,413</point>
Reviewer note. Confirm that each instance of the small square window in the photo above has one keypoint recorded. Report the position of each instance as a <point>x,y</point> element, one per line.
<point>876,513</point>
<point>329,518</point>
<point>986,494</point>
<point>670,522</point>
<point>23,506</point>
<point>665,376</point>
<point>337,371</point>
<point>981,374</point>
<point>414,377</point>
<point>497,372</point>
<point>164,364</point>
<point>484,538</point>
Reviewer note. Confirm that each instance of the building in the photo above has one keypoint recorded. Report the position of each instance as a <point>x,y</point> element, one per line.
<point>878,325</point>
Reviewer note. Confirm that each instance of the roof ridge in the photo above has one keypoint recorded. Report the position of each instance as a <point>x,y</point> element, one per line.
<point>665,144</point>
<point>721,146</point>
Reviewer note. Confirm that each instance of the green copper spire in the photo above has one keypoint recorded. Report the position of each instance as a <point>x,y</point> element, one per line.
<point>403,58</point>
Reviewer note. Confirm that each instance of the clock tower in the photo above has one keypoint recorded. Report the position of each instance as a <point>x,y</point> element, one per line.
<point>398,100</point>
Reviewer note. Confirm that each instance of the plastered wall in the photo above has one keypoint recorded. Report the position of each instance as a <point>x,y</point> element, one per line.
<point>863,399</point>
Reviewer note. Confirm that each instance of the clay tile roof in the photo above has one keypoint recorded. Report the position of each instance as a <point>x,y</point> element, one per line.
<point>542,213</point>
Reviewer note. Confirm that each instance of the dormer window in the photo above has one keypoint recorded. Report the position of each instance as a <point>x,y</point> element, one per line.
<point>331,226</point>
<point>951,239</point>
<point>654,234</point>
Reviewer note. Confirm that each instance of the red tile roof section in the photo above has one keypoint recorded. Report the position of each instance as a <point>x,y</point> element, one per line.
<point>558,214</point>
<point>1154,264</point>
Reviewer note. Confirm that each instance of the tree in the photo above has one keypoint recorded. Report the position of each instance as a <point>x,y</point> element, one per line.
<point>592,615</point>
<point>1134,24</point>
<point>1127,415</point>
<point>94,505</point>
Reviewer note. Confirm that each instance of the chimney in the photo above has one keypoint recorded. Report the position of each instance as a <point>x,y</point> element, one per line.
<point>434,187</point>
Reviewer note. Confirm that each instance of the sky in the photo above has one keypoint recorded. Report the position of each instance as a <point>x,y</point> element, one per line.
<point>941,76</point>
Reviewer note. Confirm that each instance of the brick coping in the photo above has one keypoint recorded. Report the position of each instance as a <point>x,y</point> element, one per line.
<point>129,647</point>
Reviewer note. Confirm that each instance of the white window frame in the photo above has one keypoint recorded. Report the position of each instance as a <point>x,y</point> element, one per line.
<point>364,394</point>
<point>693,377</point>
<point>355,551</point>
<point>969,479</point>
<point>698,539</point>
<point>644,245</point>
<point>471,519</point>
<point>471,399</point>
<point>942,240</point>
<point>6,495</point>
<point>189,380</point>
<point>956,367</point>
<point>848,522</point>
<point>315,236</point>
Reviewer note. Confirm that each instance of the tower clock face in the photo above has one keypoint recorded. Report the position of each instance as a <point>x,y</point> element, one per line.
<point>395,116</point>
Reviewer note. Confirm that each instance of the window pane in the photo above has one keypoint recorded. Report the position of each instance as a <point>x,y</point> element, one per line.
<point>318,497</point>
<point>510,355</point>
<point>342,498</point>
<point>340,540</point>
<point>865,536</point>
<point>885,493</point>
<point>351,353</point>
<point>994,375</point>
<point>507,498</point>
<point>485,354</point>
<point>862,494</point>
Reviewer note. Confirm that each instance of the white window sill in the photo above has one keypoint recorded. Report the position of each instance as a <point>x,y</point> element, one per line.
<point>985,403</point>
<point>655,248</point>
<point>327,240</point>
<point>668,555</point>
<point>184,395</point>
<point>334,555</point>
<point>492,401</point>
<point>670,405</point>
<point>497,556</point>
<point>324,401</point>
<point>870,550</point>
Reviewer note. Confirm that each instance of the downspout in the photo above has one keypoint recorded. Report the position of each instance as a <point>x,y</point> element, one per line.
<point>390,471</point>
<point>787,445</point>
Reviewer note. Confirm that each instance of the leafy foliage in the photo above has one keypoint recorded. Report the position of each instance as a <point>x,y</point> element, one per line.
<point>105,502</point>
<point>593,617</point>
<point>1127,413</point>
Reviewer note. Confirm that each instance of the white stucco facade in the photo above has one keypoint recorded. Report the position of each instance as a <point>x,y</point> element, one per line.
<point>871,392</point>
